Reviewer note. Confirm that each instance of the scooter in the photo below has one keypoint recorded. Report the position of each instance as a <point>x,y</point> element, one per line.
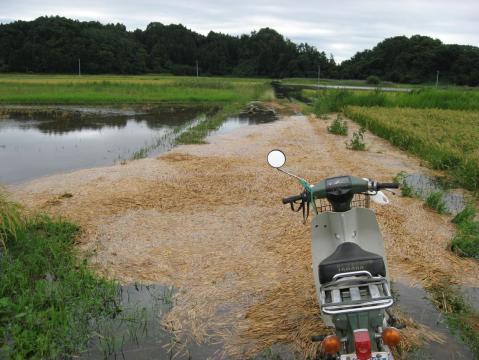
<point>349,264</point>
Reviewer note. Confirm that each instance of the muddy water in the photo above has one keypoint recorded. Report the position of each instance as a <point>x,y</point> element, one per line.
<point>137,333</point>
<point>414,303</point>
<point>35,142</point>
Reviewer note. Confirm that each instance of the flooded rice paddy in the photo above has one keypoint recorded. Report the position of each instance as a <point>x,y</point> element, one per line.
<point>39,141</point>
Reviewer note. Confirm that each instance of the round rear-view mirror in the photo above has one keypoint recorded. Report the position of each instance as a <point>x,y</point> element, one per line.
<point>276,158</point>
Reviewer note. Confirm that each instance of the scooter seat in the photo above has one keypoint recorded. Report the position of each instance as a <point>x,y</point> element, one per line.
<point>349,257</point>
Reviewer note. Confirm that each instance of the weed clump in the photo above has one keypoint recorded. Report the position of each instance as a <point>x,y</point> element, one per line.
<point>10,219</point>
<point>406,189</point>
<point>357,142</point>
<point>436,202</point>
<point>338,127</point>
<point>466,240</point>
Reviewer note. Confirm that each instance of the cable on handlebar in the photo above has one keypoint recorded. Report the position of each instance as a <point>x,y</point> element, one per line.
<point>304,205</point>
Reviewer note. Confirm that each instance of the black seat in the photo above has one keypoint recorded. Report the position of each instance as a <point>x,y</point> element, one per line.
<point>350,257</point>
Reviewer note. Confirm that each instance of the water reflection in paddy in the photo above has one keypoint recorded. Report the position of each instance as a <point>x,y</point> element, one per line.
<point>39,142</point>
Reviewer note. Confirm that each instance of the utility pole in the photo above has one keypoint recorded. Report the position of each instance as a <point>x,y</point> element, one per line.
<point>437,78</point>
<point>319,75</point>
<point>79,67</point>
<point>197,71</point>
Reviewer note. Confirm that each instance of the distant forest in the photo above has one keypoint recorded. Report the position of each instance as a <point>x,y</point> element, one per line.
<point>54,45</point>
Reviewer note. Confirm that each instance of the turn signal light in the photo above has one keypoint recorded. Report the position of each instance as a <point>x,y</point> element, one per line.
<point>391,336</point>
<point>331,344</point>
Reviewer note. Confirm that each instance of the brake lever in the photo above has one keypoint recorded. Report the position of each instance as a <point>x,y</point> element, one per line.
<point>299,208</point>
<point>305,211</point>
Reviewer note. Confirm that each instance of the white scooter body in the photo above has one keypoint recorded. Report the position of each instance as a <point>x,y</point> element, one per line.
<point>330,229</point>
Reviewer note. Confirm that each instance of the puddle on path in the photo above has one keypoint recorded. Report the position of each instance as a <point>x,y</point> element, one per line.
<point>236,122</point>
<point>414,303</point>
<point>423,186</point>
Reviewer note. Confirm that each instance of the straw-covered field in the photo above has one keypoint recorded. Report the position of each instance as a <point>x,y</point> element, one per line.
<point>208,219</point>
<point>93,89</point>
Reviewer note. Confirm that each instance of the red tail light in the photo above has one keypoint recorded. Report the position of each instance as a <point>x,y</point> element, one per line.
<point>362,344</point>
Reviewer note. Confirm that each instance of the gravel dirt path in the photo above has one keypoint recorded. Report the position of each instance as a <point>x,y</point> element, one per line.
<point>208,219</point>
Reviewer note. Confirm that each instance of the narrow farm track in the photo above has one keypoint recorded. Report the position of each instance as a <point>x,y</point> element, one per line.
<point>208,220</point>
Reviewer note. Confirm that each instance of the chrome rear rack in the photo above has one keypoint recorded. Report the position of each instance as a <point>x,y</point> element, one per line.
<point>354,292</point>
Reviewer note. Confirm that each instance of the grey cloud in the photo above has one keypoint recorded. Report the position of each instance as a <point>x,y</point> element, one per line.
<point>341,27</point>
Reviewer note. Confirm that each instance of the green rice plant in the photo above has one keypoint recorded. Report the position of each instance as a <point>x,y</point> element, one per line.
<point>91,89</point>
<point>357,142</point>
<point>141,153</point>
<point>466,240</point>
<point>466,215</point>
<point>446,139</point>
<point>436,202</point>
<point>338,127</point>
<point>11,219</point>
<point>426,98</point>
<point>196,133</point>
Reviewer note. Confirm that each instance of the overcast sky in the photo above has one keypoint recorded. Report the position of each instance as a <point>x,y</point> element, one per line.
<point>340,27</point>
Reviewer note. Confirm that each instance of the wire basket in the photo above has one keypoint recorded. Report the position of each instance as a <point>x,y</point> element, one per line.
<point>359,200</point>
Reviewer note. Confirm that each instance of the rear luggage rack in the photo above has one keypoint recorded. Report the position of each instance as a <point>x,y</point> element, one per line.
<point>355,291</point>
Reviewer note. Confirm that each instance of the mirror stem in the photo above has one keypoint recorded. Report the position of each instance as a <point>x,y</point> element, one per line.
<point>288,173</point>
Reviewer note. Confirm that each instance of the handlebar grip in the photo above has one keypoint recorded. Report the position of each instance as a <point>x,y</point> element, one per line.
<point>388,186</point>
<point>290,199</point>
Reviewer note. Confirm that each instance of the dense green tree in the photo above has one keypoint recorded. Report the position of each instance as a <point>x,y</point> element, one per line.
<point>54,45</point>
<point>414,60</point>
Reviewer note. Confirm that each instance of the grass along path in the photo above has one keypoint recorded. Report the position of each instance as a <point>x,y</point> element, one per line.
<point>47,296</point>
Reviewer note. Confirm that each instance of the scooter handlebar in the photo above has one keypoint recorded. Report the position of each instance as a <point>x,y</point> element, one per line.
<point>387,186</point>
<point>291,199</point>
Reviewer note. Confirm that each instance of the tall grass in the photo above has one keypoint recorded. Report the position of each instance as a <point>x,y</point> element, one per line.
<point>10,219</point>
<point>47,297</point>
<point>466,240</point>
<point>428,98</point>
<point>447,139</point>
<point>436,202</point>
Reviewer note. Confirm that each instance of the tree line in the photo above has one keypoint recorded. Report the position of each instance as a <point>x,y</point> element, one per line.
<point>54,45</point>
